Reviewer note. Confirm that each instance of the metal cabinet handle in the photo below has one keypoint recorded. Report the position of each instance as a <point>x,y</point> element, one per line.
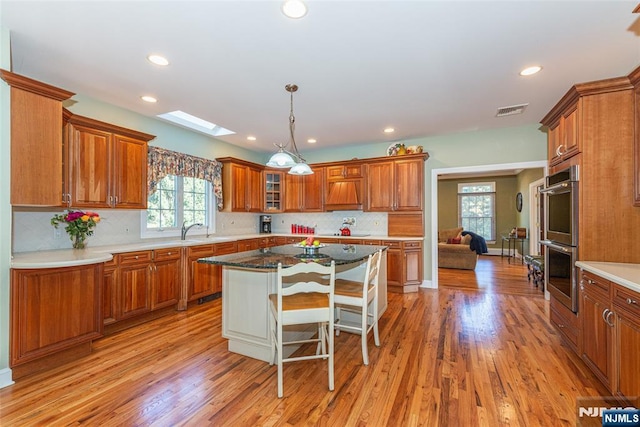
<point>136,257</point>
<point>607,319</point>
<point>605,313</point>
<point>559,150</point>
<point>631,301</point>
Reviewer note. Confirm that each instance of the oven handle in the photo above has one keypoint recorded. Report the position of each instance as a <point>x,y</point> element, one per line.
<point>560,188</point>
<point>549,243</point>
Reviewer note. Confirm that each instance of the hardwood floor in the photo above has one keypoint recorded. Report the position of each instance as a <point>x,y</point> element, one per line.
<point>479,351</point>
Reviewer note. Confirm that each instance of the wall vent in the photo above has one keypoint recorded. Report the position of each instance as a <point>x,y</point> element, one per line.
<point>511,110</point>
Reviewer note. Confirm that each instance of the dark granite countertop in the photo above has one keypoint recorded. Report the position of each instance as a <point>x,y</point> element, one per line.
<point>290,255</point>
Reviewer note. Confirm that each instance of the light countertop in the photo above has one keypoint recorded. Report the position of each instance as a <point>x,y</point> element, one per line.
<point>627,275</point>
<point>93,255</point>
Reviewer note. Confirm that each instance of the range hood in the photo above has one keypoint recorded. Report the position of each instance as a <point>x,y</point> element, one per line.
<point>344,196</point>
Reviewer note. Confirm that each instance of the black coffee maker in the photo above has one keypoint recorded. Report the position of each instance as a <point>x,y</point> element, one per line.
<point>265,223</point>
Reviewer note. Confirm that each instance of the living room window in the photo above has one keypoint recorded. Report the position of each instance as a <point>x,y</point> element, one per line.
<point>477,208</point>
<point>177,200</point>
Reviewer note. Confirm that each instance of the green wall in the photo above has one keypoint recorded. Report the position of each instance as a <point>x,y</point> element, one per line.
<point>5,210</point>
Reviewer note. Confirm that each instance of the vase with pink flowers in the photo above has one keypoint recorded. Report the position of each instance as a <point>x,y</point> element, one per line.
<point>79,225</point>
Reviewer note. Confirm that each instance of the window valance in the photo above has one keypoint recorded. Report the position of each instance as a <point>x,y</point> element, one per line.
<point>161,162</point>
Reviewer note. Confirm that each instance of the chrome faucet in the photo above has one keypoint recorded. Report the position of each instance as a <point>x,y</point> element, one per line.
<point>183,236</point>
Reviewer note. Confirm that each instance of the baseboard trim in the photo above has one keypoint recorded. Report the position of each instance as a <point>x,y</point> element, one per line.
<point>6,378</point>
<point>428,284</point>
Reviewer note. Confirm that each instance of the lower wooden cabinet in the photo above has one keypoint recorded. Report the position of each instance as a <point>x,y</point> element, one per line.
<point>597,326</point>
<point>199,278</point>
<point>626,305</point>
<point>404,265</point>
<point>54,309</point>
<point>146,281</point>
<point>610,334</point>
<point>166,278</point>
<point>109,292</point>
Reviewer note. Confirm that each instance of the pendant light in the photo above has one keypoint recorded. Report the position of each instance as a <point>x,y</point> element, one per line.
<point>290,159</point>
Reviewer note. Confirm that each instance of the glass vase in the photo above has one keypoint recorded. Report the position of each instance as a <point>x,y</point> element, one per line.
<point>78,241</point>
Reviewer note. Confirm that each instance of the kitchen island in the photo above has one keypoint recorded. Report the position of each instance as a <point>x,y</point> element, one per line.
<point>249,277</point>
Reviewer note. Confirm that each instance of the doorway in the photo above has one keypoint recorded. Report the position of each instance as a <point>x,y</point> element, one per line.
<point>484,169</point>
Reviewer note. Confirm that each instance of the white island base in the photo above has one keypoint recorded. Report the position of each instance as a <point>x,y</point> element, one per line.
<point>245,308</point>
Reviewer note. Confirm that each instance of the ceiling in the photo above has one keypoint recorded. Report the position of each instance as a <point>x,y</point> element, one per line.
<point>424,68</point>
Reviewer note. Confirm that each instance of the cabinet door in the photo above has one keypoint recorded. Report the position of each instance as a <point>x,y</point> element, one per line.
<point>408,185</point>
<point>395,267</point>
<point>293,193</point>
<point>413,266</point>
<point>89,165</point>
<point>569,130</point>
<point>380,187</point>
<point>596,333</point>
<point>313,191</point>
<point>134,288</point>
<point>627,354</point>
<point>553,144</point>
<point>54,309</point>
<point>240,183</point>
<point>273,191</point>
<point>130,173</point>
<point>166,283</point>
<point>254,190</point>
<point>36,127</point>
<point>200,280</point>
<point>109,294</point>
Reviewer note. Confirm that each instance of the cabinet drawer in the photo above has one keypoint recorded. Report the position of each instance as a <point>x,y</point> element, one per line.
<point>565,320</point>
<point>626,299</point>
<point>134,257</point>
<point>372,242</point>
<point>202,250</point>
<point>164,254</point>
<point>413,244</point>
<point>567,331</point>
<point>594,283</point>
<point>392,243</point>
<point>225,248</point>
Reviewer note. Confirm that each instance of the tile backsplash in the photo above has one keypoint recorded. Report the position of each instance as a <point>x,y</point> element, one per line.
<point>32,230</point>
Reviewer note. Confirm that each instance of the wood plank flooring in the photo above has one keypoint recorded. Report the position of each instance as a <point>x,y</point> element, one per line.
<point>479,351</point>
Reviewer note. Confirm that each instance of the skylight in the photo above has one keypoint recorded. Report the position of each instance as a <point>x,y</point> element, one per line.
<point>195,123</point>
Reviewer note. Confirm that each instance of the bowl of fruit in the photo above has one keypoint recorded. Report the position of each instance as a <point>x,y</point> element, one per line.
<point>310,246</point>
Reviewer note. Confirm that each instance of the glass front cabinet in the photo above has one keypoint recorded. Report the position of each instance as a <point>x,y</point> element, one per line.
<point>273,191</point>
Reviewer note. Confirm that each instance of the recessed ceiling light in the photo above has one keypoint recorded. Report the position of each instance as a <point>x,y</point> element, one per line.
<point>389,130</point>
<point>311,141</point>
<point>294,9</point>
<point>158,60</point>
<point>530,70</point>
<point>148,98</point>
<point>251,138</point>
<point>195,123</point>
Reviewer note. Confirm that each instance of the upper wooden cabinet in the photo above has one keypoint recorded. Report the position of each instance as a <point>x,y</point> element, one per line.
<point>106,165</point>
<point>564,141</point>
<point>36,127</point>
<point>395,185</point>
<point>304,193</point>
<point>274,191</point>
<point>241,185</point>
<point>344,187</point>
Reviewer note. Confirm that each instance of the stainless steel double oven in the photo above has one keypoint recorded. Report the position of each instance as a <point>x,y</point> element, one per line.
<point>561,236</point>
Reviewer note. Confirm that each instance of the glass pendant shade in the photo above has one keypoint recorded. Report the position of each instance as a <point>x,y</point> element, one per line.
<point>300,169</point>
<point>281,160</point>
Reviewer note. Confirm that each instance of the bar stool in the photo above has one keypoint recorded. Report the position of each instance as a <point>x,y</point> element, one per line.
<point>360,298</point>
<point>305,294</point>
